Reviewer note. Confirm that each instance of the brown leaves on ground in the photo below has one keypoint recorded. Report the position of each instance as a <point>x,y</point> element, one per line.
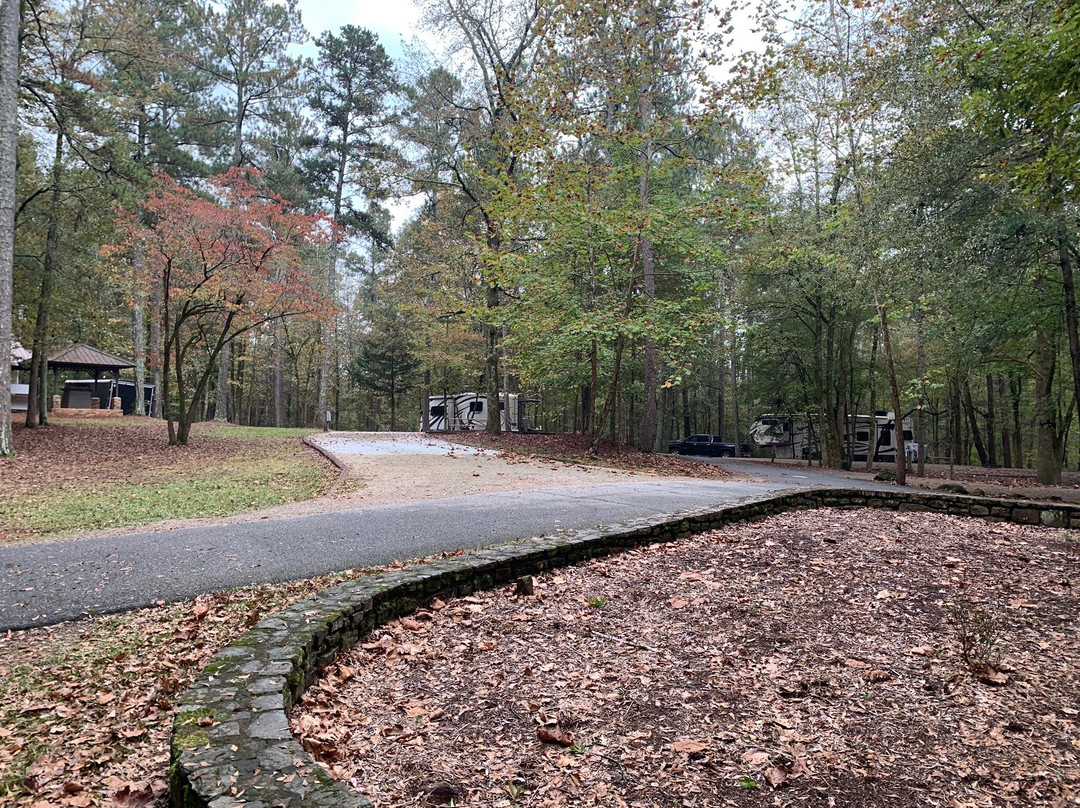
<point>86,708</point>
<point>575,449</point>
<point>812,661</point>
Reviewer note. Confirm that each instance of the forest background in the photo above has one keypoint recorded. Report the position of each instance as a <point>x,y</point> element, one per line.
<point>614,211</point>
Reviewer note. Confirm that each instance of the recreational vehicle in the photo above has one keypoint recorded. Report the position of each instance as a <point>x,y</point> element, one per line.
<point>469,411</point>
<point>796,436</point>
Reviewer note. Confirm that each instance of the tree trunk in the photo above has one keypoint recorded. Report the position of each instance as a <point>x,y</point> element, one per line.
<point>871,443</point>
<point>37,412</point>
<point>991,423</point>
<point>278,348</point>
<point>686,411</point>
<point>647,436</point>
<point>920,420</point>
<point>1069,287</point>
<point>1016,389</point>
<point>1006,438</point>
<point>491,366</point>
<point>973,424</point>
<point>955,422</point>
<point>613,392</point>
<point>221,404</point>
<point>9,130</point>
<point>138,329</point>
<point>154,349</point>
<point>894,391</point>
<point>425,396</point>
<point>1047,457</point>
<point>721,384</point>
<point>735,390</point>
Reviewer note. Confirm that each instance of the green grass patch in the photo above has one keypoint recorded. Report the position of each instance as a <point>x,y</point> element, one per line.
<point>74,477</point>
<point>220,492</point>
<point>251,432</point>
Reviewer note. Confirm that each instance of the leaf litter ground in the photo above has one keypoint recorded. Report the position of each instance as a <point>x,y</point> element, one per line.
<point>810,659</point>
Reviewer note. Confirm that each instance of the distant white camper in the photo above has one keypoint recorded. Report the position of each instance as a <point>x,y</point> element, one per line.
<point>796,437</point>
<point>469,412</point>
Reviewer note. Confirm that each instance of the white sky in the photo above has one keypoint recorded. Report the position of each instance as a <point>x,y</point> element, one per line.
<point>391,20</point>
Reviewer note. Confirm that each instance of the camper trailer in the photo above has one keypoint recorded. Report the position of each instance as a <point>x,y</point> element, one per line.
<point>796,436</point>
<point>469,411</point>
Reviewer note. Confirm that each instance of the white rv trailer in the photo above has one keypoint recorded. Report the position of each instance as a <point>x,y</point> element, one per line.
<point>469,412</point>
<point>796,436</point>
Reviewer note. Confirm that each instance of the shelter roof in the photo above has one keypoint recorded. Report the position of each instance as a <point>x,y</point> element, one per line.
<point>81,356</point>
<point>19,354</point>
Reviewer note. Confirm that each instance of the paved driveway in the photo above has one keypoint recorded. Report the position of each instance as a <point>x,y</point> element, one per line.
<point>42,584</point>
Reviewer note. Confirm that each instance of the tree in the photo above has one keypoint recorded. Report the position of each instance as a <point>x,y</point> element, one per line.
<point>248,44</point>
<point>386,362</point>
<point>498,38</point>
<point>228,264</point>
<point>161,104</point>
<point>9,130</point>
<point>351,88</point>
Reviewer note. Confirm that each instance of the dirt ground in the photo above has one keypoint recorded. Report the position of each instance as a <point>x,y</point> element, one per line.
<point>386,468</point>
<point>817,658</point>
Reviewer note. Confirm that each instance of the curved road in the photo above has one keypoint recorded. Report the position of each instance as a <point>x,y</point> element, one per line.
<point>43,584</point>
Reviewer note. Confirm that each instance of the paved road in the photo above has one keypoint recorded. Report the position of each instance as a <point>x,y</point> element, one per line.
<point>42,584</point>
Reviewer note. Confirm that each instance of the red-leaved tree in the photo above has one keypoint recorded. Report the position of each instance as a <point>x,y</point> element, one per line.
<point>226,261</point>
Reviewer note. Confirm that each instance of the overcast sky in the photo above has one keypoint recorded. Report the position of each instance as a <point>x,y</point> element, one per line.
<point>391,20</point>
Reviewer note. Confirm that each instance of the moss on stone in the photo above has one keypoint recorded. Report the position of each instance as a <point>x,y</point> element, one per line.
<point>187,734</point>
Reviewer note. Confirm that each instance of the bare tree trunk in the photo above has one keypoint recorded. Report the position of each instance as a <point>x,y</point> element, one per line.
<point>871,443</point>
<point>328,334</point>
<point>9,130</point>
<point>735,391</point>
<point>278,348</point>
<point>1047,456</point>
<point>425,396</point>
<point>1006,438</point>
<point>138,329</point>
<point>154,349</point>
<point>37,412</point>
<point>1016,390</point>
<point>920,420</point>
<point>894,390</point>
<point>647,437</point>
<point>685,411</point>
<point>1071,316</point>
<point>973,424</point>
<point>491,366</point>
<point>991,423</point>
<point>221,404</point>
<point>721,384</point>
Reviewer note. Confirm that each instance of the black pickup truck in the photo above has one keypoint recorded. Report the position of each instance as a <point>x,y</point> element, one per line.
<point>708,445</point>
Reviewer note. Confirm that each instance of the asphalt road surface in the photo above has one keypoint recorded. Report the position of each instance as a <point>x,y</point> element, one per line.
<point>43,584</point>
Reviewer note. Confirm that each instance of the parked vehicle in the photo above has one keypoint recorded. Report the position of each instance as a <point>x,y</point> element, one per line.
<point>469,411</point>
<point>705,445</point>
<point>796,436</point>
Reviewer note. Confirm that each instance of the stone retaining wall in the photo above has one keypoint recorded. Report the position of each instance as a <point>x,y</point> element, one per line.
<point>231,743</point>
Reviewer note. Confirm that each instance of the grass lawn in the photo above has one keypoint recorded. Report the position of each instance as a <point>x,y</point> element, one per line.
<point>79,475</point>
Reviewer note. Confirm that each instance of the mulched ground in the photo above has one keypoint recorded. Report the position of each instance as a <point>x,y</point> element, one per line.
<point>974,476</point>
<point>576,449</point>
<point>811,659</point>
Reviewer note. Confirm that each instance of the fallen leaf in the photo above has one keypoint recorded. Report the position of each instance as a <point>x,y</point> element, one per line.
<point>776,776</point>
<point>554,735</point>
<point>688,747</point>
<point>133,795</point>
